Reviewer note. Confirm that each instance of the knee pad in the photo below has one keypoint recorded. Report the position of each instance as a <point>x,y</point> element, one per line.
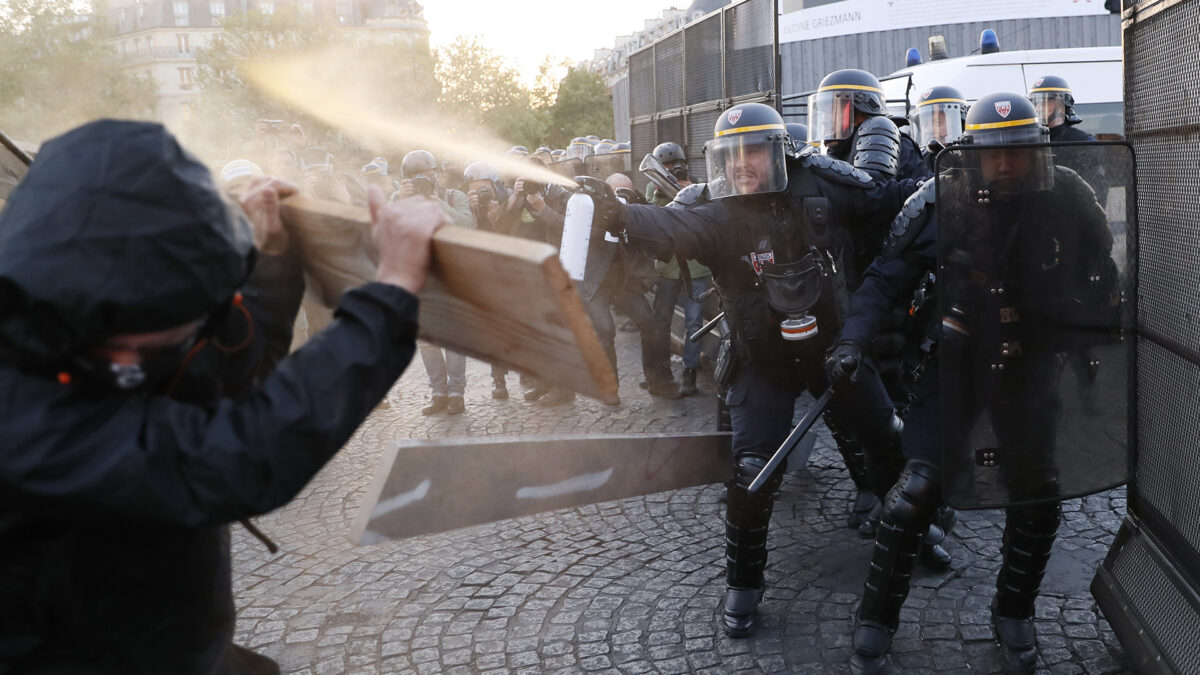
<point>912,500</point>
<point>746,469</point>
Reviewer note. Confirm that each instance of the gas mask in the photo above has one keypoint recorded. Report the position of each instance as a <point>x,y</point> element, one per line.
<point>793,288</point>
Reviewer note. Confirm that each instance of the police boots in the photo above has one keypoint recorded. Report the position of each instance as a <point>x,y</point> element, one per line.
<point>747,518</point>
<point>855,458</point>
<point>1029,533</point>
<point>906,513</point>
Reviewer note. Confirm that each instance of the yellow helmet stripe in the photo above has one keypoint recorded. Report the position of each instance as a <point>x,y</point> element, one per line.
<point>1001,125</point>
<point>1049,89</point>
<point>742,130</point>
<point>941,100</point>
<point>859,87</point>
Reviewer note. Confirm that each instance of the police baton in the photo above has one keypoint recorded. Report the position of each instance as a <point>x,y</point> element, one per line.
<point>706,328</point>
<point>793,439</point>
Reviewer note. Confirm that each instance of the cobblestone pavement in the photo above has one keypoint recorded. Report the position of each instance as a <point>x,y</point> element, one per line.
<point>631,586</point>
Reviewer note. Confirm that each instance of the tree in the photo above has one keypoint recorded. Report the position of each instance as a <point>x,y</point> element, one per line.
<point>479,90</point>
<point>57,70</point>
<point>583,106</point>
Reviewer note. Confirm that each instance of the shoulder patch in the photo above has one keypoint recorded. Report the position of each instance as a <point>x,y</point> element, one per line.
<point>835,169</point>
<point>911,220</point>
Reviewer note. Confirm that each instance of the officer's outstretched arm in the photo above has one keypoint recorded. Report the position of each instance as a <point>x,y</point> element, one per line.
<point>697,233</point>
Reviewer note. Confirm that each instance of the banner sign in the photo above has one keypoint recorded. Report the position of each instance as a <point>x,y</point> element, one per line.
<point>850,17</point>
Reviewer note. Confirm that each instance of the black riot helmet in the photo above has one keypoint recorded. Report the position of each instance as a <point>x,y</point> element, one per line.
<point>939,115</point>
<point>673,158</point>
<point>1051,97</point>
<point>421,167</point>
<point>1006,118</point>
<point>748,152</point>
<point>579,148</point>
<point>843,92</point>
<point>799,135</point>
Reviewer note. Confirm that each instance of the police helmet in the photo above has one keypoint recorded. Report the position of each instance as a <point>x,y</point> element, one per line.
<point>592,139</point>
<point>1007,118</point>
<point>556,155</point>
<point>579,148</point>
<point>623,146</point>
<point>748,152</point>
<point>798,134</point>
<point>478,171</point>
<point>831,109</point>
<point>240,169</point>
<point>603,148</point>
<point>518,151</point>
<point>939,115</point>
<point>1051,96</point>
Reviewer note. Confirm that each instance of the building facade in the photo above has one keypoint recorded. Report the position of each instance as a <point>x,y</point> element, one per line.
<point>161,39</point>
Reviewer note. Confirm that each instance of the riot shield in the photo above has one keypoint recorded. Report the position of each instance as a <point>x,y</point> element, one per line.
<point>1035,287</point>
<point>603,166</point>
<point>568,168</point>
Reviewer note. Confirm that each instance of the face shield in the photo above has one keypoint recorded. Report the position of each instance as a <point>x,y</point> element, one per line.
<point>939,121</point>
<point>830,116</point>
<point>578,151</point>
<point>747,163</point>
<point>1051,107</point>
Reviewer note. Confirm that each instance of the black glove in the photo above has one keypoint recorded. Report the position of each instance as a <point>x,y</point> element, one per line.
<point>609,211</point>
<point>841,363</point>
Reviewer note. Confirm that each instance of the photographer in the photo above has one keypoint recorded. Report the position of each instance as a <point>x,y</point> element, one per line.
<point>141,414</point>
<point>316,165</point>
<point>447,370</point>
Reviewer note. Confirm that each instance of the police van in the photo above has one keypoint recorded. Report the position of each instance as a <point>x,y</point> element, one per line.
<point>1094,73</point>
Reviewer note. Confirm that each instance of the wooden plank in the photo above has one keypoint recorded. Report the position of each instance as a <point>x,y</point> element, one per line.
<point>12,166</point>
<point>422,487</point>
<point>497,298</point>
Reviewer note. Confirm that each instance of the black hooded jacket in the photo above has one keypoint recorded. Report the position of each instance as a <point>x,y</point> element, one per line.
<point>114,549</point>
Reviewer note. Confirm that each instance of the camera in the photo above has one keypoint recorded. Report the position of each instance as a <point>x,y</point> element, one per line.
<point>423,185</point>
<point>532,187</point>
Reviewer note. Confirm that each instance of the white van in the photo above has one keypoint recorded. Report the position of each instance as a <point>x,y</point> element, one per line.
<point>1094,73</point>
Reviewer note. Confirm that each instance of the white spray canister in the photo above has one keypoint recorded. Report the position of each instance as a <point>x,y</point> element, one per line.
<point>577,232</point>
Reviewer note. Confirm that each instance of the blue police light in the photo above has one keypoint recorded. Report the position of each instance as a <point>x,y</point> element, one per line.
<point>988,42</point>
<point>912,58</point>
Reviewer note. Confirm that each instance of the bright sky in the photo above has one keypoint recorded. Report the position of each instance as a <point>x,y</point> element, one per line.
<point>525,31</point>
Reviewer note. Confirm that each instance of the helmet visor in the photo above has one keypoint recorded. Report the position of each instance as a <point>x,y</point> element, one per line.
<point>939,121</point>
<point>578,150</point>
<point>830,116</point>
<point>1051,107</point>
<point>747,163</point>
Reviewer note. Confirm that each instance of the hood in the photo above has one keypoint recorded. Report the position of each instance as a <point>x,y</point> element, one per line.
<point>115,229</point>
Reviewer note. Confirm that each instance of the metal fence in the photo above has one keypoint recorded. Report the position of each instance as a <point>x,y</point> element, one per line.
<point>1149,586</point>
<point>680,84</point>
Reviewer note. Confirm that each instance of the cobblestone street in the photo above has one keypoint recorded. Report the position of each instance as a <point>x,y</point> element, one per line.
<point>630,586</point>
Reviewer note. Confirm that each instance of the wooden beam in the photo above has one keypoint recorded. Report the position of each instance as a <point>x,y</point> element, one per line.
<point>501,299</point>
<point>422,487</point>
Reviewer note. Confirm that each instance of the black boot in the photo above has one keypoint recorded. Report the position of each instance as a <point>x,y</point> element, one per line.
<point>906,513</point>
<point>1029,533</point>
<point>870,524</point>
<point>933,555</point>
<point>499,388</point>
<point>688,388</point>
<point>747,517</point>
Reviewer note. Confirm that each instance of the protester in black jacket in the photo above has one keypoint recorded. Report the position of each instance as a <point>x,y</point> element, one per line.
<point>137,410</point>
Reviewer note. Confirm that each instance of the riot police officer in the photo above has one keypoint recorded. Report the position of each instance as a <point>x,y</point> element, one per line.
<point>1019,202</point>
<point>1051,96</point>
<point>773,236</point>
<point>799,134</point>
<point>672,157</point>
<point>848,116</point>
<point>938,120</point>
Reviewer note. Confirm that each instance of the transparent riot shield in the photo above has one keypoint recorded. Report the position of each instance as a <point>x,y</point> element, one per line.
<point>603,166</point>
<point>568,168</point>
<point>1035,288</point>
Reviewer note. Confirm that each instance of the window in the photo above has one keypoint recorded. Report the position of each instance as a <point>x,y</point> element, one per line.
<point>185,78</point>
<point>181,41</point>
<point>267,7</point>
<point>181,13</point>
<point>217,9</point>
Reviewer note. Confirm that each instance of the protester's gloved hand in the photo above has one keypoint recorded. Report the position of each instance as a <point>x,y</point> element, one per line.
<point>841,363</point>
<point>609,211</point>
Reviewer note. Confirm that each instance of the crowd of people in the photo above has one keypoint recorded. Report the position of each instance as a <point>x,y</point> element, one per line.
<point>147,406</point>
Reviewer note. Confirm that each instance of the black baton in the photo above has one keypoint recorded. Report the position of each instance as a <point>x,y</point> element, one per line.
<point>792,440</point>
<point>706,328</point>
